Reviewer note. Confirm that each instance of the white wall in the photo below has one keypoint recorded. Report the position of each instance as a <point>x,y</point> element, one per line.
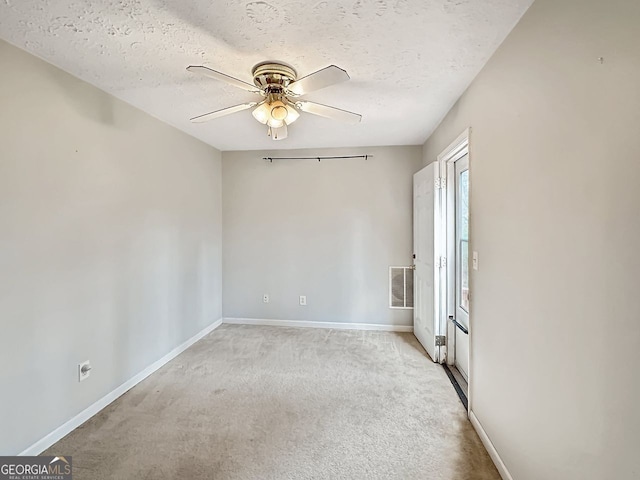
<point>110,244</point>
<point>555,200</point>
<point>328,230</point>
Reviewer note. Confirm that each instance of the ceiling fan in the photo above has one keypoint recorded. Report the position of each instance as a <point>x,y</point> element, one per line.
<point>278,83</point>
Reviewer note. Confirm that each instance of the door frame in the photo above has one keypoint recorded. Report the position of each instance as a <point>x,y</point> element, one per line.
<point>446,160</point>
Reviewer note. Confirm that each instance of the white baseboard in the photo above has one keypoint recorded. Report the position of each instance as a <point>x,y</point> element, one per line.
<point>493,453</point>
<point>308,324</point>
<point>45,442</point>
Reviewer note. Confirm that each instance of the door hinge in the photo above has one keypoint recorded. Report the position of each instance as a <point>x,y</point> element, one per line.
<point>441,182</point>
<point>441,341</point>
<point>442,262</point>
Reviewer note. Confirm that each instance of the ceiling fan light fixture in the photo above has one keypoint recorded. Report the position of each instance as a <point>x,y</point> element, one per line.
<point>275,123</point>
<point>292,114</point>
<point>261,113</point>
<point>278,110</point>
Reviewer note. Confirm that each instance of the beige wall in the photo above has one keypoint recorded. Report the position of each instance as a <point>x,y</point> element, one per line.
<point>555,196</point>
<point>110,244</point>
<point>328,230</point>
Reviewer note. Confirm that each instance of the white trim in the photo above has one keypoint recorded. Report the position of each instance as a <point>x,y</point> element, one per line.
<point>308,324</point>
<point>493,453</point>
<point>66,428</point>
<point>460,147</point>
<point>454,147</point>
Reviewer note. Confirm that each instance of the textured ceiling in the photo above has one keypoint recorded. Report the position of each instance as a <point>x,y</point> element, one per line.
<point>409,60</point>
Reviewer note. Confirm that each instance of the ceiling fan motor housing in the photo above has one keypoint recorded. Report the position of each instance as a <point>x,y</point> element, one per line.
<point>267,75</point>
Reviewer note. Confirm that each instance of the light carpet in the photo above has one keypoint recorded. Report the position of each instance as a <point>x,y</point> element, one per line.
<point>253,402</point>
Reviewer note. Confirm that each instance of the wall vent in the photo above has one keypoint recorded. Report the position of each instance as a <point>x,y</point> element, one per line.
<point>400,287</point>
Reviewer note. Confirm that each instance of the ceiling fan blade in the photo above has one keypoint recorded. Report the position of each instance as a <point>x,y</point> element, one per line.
<point>329,112</point>
<point>221,113</point>
<point>279,133</point>
<point>223,77</point>
<point>315,81</point>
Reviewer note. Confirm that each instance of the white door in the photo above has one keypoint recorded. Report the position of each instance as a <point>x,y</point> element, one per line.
<point>461,294</point>
<point>426,225</point>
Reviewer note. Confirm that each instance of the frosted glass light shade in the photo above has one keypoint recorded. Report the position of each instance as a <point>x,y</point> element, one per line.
<point>274,123</point>
<point>279,133</point>
<point>292,114</point>
<point>262,113</point>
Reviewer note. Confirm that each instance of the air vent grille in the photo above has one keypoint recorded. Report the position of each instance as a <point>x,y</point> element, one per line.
<point>401,287</point>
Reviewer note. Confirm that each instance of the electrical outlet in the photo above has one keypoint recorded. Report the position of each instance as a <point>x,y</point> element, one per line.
<point>265,298</point>
<point>303,299</point>
<point>84,370</point>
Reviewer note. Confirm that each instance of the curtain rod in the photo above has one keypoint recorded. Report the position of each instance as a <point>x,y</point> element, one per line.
<point>271,159</point>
